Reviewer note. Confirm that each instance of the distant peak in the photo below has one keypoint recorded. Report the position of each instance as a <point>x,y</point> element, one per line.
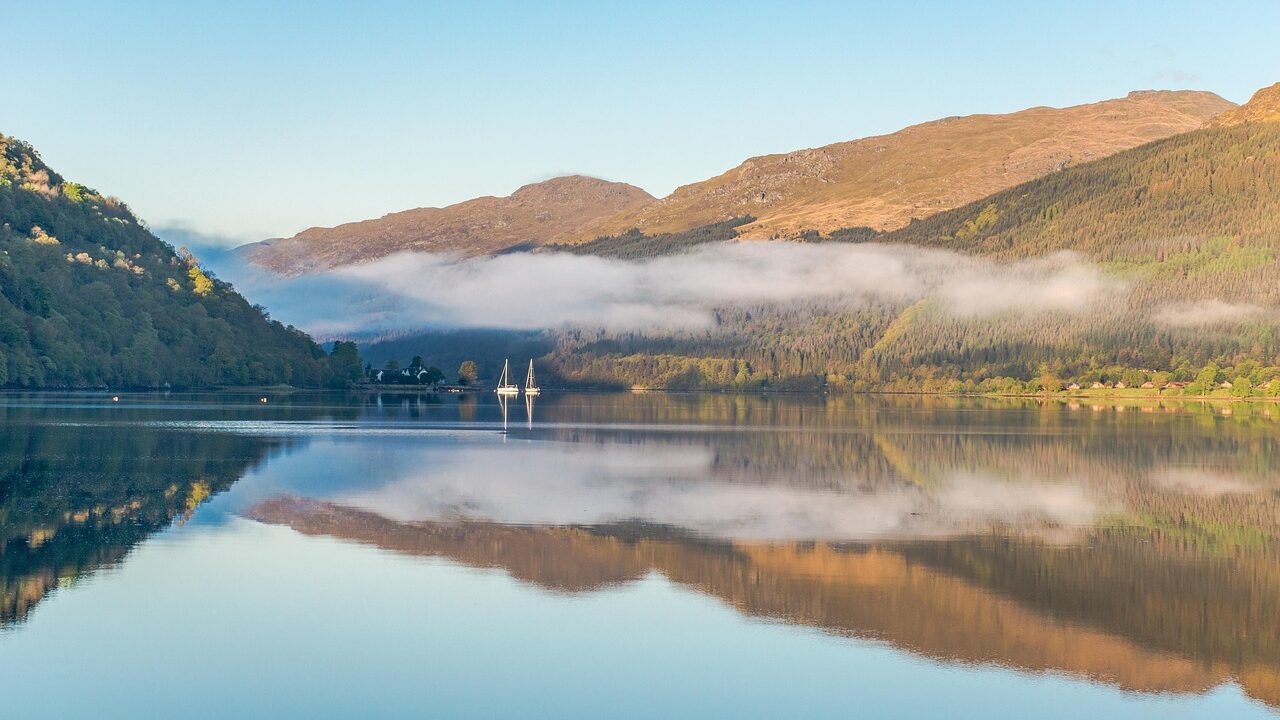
<point>580,188</point>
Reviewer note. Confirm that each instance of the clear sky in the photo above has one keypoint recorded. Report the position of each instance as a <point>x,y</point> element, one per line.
<point>251,119</point>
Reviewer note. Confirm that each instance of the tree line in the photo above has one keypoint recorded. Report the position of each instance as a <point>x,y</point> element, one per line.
<point>89,297</point>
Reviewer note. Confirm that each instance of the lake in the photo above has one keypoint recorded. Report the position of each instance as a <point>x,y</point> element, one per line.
<point>637,556</point>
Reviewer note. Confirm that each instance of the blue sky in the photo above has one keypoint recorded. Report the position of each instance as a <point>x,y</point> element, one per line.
<point>248,120</point>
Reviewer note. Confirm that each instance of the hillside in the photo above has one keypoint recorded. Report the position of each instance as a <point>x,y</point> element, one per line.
<point>89,297</point>
<point>885,181</point>
<point>533,215</point>
<point>1190,225</point>
<point>1143,205</point>
<point>635,245</point>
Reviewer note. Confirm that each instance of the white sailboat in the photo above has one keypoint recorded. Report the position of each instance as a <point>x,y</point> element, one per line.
<point>530,386</point>
<point>504,383</point>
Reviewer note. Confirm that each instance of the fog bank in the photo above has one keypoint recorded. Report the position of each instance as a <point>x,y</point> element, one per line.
<point>411,291</point>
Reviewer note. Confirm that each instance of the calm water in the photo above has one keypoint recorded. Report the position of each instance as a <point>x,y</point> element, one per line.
<point>646,556</point>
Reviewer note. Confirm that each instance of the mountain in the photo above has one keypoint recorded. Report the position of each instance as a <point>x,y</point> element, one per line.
<point>533,215</point>
<point>1264,106</point>
<point>884,182</point>
<point>880,182</point>
<point>1188,226</point>
<point>1184,231</point>
<point>89,297</point>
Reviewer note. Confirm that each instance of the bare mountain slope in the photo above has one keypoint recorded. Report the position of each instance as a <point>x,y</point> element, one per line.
<point>881,182</point>
<point>534,214</point>
<point>885,181</point>
<point>1264,106</point>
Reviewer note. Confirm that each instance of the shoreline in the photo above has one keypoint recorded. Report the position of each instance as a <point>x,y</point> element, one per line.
<point>455,390</point>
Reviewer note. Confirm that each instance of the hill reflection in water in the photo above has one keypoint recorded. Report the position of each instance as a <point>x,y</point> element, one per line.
<point>1135,546</point>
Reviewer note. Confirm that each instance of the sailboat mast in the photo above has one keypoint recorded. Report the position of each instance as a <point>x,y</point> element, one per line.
<point>530,385</point>
<point>505,387</point>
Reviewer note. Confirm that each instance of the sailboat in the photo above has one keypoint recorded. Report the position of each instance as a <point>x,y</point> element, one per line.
<point>530,388</point>
<point>504,383</point>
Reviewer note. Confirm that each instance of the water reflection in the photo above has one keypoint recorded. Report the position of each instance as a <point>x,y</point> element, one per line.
<point>1138,547</point>
<point>1131,546</point>
<point>81,483</point>
<point>503,404</point>
<point>1146,617</point>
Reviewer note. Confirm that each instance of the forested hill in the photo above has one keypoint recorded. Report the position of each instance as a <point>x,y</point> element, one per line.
<point>89,297</point>
<point>1141,204</point>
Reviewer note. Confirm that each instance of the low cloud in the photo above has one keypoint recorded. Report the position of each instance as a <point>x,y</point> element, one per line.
<point>1057,283</point>
<point>412,291</point>
<point>1207,313</point>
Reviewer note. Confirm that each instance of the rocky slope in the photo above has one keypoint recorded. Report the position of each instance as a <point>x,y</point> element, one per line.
<point>533,215</point>
<point>1264,106</point>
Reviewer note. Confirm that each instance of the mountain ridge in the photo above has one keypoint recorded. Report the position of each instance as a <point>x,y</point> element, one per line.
<point>885,181</point>
<point>534,214</point>
<point>882,181</point>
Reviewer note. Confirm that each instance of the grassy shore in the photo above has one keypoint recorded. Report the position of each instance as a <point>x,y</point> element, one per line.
<point>1220,395</point>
